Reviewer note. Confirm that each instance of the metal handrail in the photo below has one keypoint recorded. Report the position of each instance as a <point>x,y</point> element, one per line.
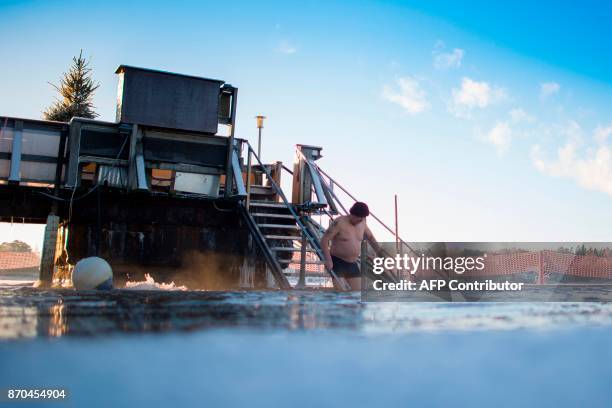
<point>355,199</point>
<point>402,242</point>
<point>287,169</point>
<point>303,228</point>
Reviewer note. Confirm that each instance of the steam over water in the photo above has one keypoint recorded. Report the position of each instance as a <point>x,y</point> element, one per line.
<point>157,344</point>
<point>150,284</point>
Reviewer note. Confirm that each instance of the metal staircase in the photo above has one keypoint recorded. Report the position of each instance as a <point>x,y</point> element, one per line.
<point>279,226</point>
<point>286,232</point>
<point>283,235</point>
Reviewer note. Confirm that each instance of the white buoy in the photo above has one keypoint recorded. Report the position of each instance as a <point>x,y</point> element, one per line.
<point>92,273</point>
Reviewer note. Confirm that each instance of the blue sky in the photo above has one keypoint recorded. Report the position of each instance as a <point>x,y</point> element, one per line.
<point>490,121</point>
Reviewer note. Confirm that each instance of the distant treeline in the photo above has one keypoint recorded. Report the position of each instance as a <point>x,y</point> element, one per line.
<point>15,246</point>
<point>578,250</point>
<point>583,250</point>
<point>453,252</point>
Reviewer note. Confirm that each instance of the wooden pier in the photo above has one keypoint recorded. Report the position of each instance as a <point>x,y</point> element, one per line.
<point>161,191</point>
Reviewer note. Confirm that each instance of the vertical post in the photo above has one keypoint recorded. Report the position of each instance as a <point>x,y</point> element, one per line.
<point>259,144</point>
<point>136,168</point>
<point>260,121</point>
<point>229,177</point>
<point>73,173</point>
<point>132,176</point>
<point>302,280</point>
<point>248,178</point>
<point>14,176</point>
<point>98,223</point>
<point>302,180</point>
<point>47,259</point>
<point>59,167</point>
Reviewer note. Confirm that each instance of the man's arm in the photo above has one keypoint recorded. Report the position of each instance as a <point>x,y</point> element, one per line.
<point>370,238</point>
<point>331,232</point>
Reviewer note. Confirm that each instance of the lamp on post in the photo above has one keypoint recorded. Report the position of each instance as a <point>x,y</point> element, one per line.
<point>260,120</point>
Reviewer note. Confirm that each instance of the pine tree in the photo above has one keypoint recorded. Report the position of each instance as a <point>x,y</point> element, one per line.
<point>76,89</point>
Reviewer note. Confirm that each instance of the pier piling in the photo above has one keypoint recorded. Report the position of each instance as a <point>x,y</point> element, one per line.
<point>47,258</point>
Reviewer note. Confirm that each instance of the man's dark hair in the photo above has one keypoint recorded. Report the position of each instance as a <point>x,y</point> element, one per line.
<point>360,209</point>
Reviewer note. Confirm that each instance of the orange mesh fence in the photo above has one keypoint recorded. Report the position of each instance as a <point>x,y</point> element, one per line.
<point>544,263</point>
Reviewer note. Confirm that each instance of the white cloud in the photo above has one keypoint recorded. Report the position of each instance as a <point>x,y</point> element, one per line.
<point>474,94</point>
<point>410,96</point>
<point>444,60</point>
<point>591,167</point>
<point>519,115</point>
<point>500,136</point>
<point>602,133</point>
<point>573,132</point>
<point>285,47</point>
<point>593,172</point>
<point>548,88</point>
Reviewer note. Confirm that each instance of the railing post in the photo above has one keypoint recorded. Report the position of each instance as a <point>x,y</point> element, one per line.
<point>230,146</point>
<point>248,178</point>
<point>302,280</point>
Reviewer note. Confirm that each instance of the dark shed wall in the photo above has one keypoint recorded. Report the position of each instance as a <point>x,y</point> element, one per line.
<point>195,243</point>
<point>163,99</point>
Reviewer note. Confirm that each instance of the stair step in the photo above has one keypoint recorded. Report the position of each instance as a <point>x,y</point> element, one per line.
<point>308,274</point>
<point>289,249</point>
<point>283,226</point>
<point>286,237</point>
<point>267,204</point>
<point>272,215</point>
<point>261,190</point>
<point>298,261</point>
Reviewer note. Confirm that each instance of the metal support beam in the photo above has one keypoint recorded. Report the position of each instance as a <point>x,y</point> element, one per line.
<point>61,151</point>
<point>229,179</point>
<point>141,175</point>
<point>59,166</point>
<point>316,182</point>
<point>132,178</point>
<point>137,175</point>
<point>237,171</point>
<point>73,177</point>
<point>14,176</point>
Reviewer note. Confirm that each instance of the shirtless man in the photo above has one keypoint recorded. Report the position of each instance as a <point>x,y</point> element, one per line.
<point>345,234</point>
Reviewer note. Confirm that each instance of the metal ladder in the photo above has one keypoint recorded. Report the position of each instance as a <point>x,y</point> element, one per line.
<point>280,231</point>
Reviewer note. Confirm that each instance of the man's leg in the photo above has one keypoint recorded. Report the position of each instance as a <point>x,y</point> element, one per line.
<point>341,279</point>
<point>355,283</point>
